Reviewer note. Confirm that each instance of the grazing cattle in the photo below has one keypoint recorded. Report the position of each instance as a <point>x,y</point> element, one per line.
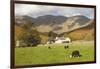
<point>49,47</point>
<point>75,53</point>
<point>66,47</point>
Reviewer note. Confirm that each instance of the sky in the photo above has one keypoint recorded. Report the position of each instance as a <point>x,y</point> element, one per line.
<point>40,10</point>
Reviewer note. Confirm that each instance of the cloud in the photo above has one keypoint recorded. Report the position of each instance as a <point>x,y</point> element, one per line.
<point>39,10</point>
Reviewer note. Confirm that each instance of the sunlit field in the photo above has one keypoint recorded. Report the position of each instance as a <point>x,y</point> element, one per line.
<point>41,54</point>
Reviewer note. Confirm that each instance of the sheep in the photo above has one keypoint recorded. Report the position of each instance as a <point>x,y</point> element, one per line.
<point>75,53</point>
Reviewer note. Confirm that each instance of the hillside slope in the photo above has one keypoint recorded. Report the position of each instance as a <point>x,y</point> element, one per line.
<point>82,33</point>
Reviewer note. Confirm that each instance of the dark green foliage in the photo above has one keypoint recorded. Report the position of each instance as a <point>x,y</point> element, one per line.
<point>52,36</point>
<point>28,36</point>
<point>33,40</point>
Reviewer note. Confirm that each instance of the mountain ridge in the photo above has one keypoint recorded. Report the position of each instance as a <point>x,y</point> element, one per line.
<point>57,24</point>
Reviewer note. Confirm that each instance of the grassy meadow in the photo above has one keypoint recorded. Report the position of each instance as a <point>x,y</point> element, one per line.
<point>57,54</point>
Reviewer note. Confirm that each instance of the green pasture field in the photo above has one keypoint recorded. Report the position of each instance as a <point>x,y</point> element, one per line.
<point>57,54</point>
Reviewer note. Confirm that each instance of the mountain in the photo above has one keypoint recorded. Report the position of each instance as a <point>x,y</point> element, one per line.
<point>71,23</point>
<point>85,32</point>
<point>76,27</point>
<point>77,21</point>
<point>50,20</point>
<point>57,24</point>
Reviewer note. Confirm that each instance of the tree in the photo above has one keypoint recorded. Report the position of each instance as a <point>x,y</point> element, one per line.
<point>28,34</point>
<point>32,37</point>
<point>51,36</point>
<point>32,40</point>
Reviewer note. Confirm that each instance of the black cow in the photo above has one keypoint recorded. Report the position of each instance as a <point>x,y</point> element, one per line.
<point>66,46</point>
<point>49,47</point>
<point>75,53</point>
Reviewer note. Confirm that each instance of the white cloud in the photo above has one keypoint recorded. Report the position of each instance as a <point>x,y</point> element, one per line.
<point>39,10</point>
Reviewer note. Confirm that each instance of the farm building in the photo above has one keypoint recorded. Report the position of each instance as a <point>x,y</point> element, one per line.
<point>60,40</point>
